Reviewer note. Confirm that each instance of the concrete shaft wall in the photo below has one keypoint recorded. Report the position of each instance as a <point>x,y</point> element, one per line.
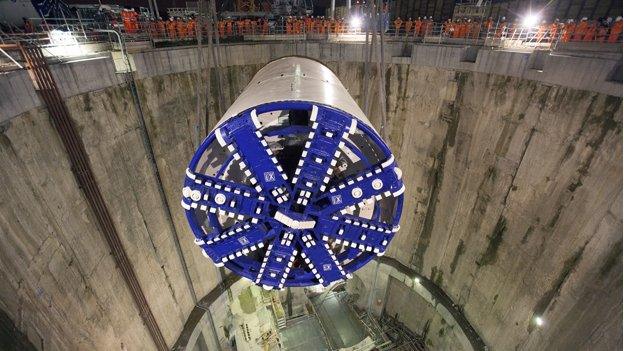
<point>513,201</point>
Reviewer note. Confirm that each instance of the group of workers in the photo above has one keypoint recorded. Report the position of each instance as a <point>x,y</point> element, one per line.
<point>173,28</point>
<point>229,27</point>
<point>288,25</point>
<point>606,30</point>
<point>319,25</point>
<point>184,28</point>
<point>418,28</point>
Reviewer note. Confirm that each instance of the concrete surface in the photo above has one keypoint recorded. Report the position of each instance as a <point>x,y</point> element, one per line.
<point>513,202</point>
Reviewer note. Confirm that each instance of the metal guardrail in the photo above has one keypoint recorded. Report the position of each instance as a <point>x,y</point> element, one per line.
<point>71,38</point>
<point>57,38</point>
<point>184,30</point>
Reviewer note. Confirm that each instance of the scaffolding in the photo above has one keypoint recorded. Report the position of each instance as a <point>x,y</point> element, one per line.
<point>390,334</point>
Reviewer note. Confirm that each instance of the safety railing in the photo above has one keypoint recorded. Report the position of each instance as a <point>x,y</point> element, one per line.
<point>65,36</point>
<point>487,34</point>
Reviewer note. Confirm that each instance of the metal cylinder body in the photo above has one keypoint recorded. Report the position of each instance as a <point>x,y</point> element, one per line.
<point>295,79</point>
<point>293,187</point>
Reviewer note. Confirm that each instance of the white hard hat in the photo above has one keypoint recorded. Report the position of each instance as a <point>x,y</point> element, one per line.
<point>618,18</point>
<point>584,19</point>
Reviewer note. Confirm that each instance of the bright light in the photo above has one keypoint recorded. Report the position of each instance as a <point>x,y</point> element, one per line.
<point>64,44</point>
<point>59,37</point>
<point>539,321</point>
<point>530,20</point>
<point>417,280</point>
<point>356,22</point>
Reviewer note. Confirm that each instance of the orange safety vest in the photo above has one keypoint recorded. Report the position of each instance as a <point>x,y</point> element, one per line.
<point>171,29</point>
<point>397,24</point>
<point>153,31</point>
<point>190,27</point>
<point>579,34</point>
<point>127,22</point>
<point>181,29</point>
<point>265,27</point>
<point>590,33</point>
<point>614,34</point>
<point>160,28</point>
<point>488,24</point>
<point>417,27</point>
<point>501,29</point>
<point>408,26</point>
<point>568,31</point>
<point>428,27</point>
<point>229,30</point>
<point>221,28</point>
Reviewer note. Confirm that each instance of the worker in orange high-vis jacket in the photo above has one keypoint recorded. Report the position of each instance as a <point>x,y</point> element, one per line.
<point>229,28</point>
<point>590,32</point>
<point>152,29</point>
<point>321,26</point>
<point>455,30</point>
<point>581,29</point>
<point>160,28</point>
<point>408,26</point>
<point>181,28</point>
<point>221,28</point>
<point>462,29</point>
<point>428,26</point>
<point>240,26</point>
<point>489,24</point>
<point>126,18</point>
<point>417,27</point>
<point>471,29</point>
<point>541,32</point>
<point>397,25</point>
<point>567,31</point>
<point>191,26</point>
<point>616,31</point>
<point>254,27</point>
<point>298,26</point>
<point>265,26</point>
<point>171,28</point>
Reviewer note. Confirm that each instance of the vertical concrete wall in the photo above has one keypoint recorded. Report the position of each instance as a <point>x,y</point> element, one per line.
<point>513,201</point>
